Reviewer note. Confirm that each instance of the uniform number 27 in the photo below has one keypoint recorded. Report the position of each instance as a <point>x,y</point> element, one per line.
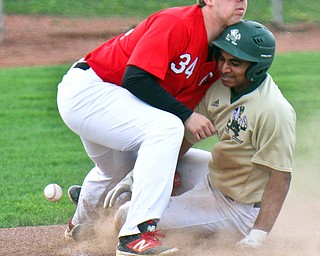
<point>183,65</point>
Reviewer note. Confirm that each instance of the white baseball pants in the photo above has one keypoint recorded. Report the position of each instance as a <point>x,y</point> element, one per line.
<point>116,128</point>
<point>198,206</point>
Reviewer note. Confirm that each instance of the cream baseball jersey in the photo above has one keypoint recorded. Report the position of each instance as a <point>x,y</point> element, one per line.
<point>255,130</point>
<point>171,44</point>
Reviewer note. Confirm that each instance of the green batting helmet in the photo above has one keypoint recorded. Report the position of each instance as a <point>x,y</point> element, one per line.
<point>250,41</point>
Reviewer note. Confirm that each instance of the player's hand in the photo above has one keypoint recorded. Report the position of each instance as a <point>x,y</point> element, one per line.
<point>255,239</point>
<point>124,185</point>
<point>199,127</point>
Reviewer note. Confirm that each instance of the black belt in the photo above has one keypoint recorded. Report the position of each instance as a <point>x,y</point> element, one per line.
<point>82,65</point>
<point>255,205</point>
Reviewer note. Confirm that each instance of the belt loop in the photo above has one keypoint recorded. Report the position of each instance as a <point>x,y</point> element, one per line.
<point>257,205</point>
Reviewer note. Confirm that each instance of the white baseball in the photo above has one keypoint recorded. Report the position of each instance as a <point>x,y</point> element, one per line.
<point>53,192</point>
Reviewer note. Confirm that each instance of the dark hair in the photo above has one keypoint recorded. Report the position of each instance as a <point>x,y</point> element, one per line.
<point>201,3</point>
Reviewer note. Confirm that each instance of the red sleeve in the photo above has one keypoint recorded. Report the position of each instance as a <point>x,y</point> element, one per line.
<point>165,38</point>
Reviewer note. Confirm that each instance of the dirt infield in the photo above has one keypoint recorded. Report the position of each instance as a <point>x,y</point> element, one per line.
<point>50,40</point>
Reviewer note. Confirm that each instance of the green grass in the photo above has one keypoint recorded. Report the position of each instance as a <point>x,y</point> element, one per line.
<point>299,81</point>
<point>260,10</point>
<point>36,147</point>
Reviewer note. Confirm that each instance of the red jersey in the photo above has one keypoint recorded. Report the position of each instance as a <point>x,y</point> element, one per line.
<point>171,44</point>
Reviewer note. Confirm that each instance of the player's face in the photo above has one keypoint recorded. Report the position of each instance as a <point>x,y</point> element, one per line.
<point>233,71</point>
<point>231,11</point>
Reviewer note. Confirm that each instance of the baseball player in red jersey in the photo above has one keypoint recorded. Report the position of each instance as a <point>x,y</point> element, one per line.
<point>133,97</point>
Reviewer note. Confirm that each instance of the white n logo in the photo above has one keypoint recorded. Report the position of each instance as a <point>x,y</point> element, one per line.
<point>140,246</point>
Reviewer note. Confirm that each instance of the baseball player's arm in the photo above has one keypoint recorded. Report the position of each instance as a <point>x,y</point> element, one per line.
<point>272,200</point>
<point>144,86</point>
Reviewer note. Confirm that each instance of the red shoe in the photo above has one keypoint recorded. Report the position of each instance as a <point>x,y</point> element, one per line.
<point>143,244</point>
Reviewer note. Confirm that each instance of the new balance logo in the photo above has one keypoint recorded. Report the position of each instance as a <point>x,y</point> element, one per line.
<point>215,103</point>
<point>142,245</point>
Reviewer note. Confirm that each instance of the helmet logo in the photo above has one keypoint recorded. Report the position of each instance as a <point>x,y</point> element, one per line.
<point>233,36</point>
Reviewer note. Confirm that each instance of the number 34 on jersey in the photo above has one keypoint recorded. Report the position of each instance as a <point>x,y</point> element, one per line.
<point>207,72</point>
<point>183,66</point>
